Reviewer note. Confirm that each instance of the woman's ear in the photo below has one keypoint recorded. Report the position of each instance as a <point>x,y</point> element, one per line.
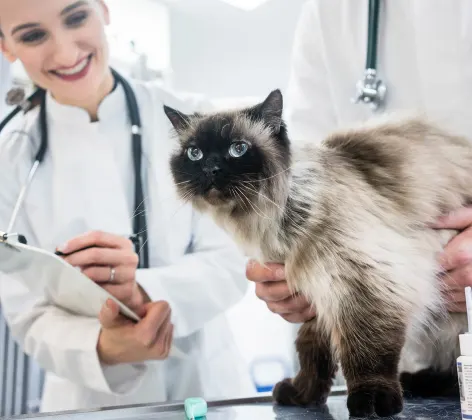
<point>5,51</point>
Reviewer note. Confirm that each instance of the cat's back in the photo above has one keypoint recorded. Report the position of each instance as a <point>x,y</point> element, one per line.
<point>411,163</point>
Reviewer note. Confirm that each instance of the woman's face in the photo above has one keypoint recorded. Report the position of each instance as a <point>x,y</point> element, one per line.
<point>61,43</point>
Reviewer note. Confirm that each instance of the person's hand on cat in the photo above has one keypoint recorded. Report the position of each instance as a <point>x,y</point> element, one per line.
<point>272,288</point>
<point>123,341</point>
<point>456,259</point>
<point>96,254</point>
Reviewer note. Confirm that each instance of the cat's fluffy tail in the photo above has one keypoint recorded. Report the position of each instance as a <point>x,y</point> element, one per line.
<point>429,383</point>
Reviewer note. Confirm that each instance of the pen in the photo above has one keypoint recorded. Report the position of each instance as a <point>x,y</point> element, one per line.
<point>133,238</point>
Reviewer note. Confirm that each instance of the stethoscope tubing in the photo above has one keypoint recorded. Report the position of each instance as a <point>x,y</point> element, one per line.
<point>139,221</point>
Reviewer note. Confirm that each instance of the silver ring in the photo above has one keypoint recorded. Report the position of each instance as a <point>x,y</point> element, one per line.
<point>112,274</point>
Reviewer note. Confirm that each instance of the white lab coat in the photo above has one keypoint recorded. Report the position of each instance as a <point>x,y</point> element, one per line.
<point>424,58</point>
<point>85,183</point>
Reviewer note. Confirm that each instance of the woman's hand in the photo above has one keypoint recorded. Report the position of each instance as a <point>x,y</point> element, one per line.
<point>123,341</point>
<point>111,262</point>
<point>456,259</point>
<point>272,288</point>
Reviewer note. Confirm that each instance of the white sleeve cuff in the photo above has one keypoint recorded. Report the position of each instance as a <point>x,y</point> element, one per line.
<point>119,379</point>
<point>72,354</point>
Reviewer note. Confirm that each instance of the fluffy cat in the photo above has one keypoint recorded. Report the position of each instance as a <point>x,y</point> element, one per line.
<point>350,219</point>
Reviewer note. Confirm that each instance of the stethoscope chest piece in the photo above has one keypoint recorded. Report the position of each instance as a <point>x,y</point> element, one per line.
<point>371,90</point>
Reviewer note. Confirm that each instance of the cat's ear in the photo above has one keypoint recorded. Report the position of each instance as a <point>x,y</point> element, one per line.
<point>271,110</point>
<point>179,120</point>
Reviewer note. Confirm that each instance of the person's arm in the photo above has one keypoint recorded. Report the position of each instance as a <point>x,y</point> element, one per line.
<point>58,341</point>
<point>202,284</point>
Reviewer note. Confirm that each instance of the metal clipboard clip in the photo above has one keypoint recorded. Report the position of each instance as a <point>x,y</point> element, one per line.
<point>10,239</point>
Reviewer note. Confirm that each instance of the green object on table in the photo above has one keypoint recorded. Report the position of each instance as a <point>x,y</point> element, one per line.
<point>195,408</point>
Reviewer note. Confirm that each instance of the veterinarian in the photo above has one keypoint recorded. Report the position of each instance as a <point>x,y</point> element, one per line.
<point>84,193</point>
<point>419,60</point>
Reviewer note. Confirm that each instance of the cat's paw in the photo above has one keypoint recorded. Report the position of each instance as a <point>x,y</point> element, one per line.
<point>286,393</point>
<point>366,400</point>
<point>388,402</point>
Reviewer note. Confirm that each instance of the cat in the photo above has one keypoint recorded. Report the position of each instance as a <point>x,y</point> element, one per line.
<point>350,218</point>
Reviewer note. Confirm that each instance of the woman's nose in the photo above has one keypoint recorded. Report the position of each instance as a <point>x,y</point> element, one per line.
<point>65,52</point>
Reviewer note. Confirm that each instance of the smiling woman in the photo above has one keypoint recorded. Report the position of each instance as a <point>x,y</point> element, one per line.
<point>92,127</point>
<point>59,44</point>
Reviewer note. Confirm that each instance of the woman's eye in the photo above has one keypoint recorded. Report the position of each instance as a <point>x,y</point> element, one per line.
<point>76,19</point>
<point>33,37</point>
<point>238,149</point>
<point>194,153</point>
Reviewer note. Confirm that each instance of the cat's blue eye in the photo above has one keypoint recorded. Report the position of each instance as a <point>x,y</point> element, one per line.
<point>194,153</point>
<point>238,149</point>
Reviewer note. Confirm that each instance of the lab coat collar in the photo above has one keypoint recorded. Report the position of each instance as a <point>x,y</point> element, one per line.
<point>111,106</point>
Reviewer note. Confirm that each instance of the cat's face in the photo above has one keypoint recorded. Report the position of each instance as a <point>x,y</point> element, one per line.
<point>227,158</point>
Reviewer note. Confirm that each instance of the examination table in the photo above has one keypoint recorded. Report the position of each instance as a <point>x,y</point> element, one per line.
<point>258,408</point>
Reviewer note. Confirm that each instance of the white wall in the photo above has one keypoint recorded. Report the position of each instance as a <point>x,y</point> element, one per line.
<point>223,51</point>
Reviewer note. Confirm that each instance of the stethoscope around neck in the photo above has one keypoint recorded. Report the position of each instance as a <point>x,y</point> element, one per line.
<point>371,90</point>
<point>16,97</point>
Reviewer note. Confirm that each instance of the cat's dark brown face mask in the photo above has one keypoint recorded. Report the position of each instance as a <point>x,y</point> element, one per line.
<point>225,158</point>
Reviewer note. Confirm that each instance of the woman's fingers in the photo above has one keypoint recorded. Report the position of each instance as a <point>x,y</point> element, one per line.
<point>264,273</point>
<point>273,291</point>
<point>169,337</point>
<point>103,257</point>
<point>150,328</point>
<point>123,274</point>
<point>291,305</point>
<point>126,293</point>
<point>97,239</point>
<point>110,316</point>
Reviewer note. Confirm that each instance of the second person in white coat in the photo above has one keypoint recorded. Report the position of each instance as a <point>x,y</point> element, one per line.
<point>83,188</point>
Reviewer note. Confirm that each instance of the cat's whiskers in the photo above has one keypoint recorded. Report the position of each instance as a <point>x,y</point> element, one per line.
<point>240,198</point>
<point>183,182</point>
<point>185,200</point>
<point>183,173</point>
<point>136,212</point>
<point>270,177</point>
<point>283,211</point>
<point>254,207</point>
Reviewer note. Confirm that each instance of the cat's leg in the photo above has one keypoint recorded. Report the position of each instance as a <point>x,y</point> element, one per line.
<point>370,337</point>
<point>317,369</point>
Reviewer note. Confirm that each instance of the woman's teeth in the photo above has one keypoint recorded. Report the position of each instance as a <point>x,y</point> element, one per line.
<point>74,70</point>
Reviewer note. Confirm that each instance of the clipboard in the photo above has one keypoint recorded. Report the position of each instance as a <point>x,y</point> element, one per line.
<point>47,274</point>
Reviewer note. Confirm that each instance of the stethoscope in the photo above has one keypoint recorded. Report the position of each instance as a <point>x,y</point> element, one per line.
<point>370,89</point>
<point>16,97</point>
